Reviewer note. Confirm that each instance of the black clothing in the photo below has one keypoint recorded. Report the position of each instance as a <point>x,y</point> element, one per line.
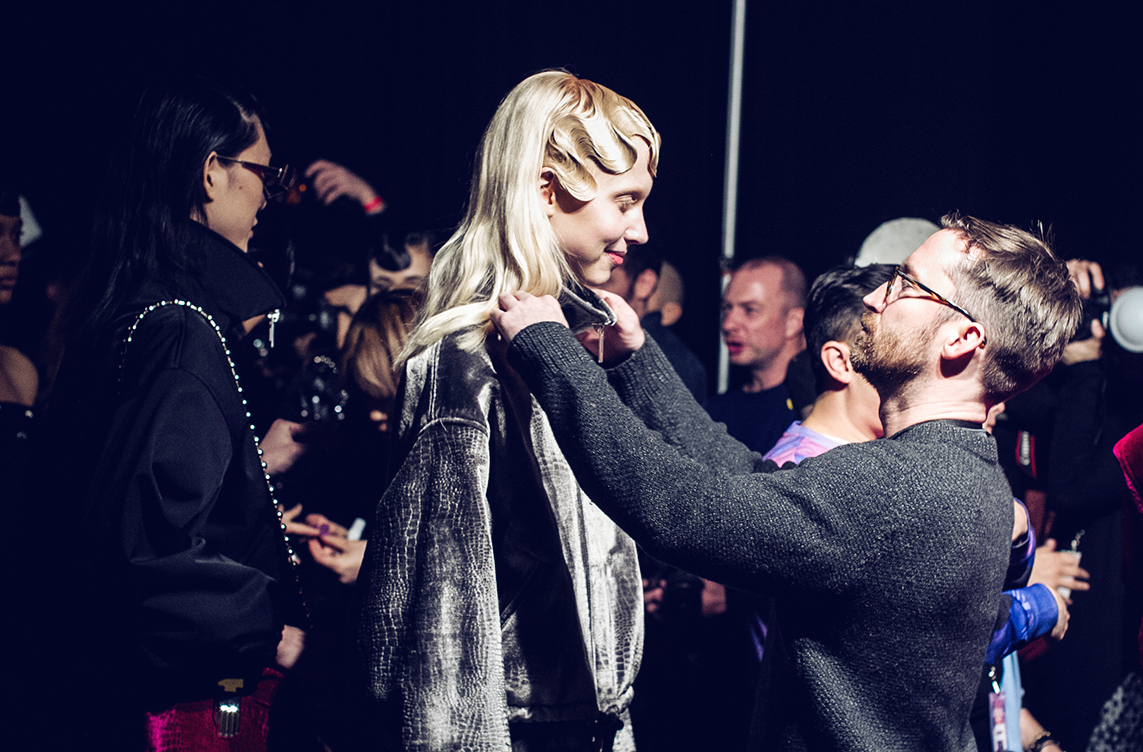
<point>686,364</point>
<point>184,577</point>
<point>757,419</point>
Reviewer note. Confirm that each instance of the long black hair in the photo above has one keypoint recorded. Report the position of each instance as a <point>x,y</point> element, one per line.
<point>155,189</point>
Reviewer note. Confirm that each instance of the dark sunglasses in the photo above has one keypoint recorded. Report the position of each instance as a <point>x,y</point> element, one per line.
<point>275,180</point>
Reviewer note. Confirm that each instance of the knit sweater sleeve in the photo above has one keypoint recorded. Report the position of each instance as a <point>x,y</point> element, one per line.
<point>712,517</point>
<point>648,384</point>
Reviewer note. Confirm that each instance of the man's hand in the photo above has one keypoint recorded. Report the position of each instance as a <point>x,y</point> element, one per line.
<point>1061,627</point>
<point>1058,569</point>
<point>1086,349</point>
<point>713,598</point>
<point>620,339</point>
<point>520,310</point>
<point>653,595</point>
<point>291,646</point>
<point>281,447</point>
<point>340,555</point>
<point>331,181</point>
<point>1088,276</point>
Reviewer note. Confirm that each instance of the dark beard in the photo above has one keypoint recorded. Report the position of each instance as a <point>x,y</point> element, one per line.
<point>886,361</point>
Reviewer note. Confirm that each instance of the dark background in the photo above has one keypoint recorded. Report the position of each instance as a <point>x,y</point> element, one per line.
<point>852,116</point>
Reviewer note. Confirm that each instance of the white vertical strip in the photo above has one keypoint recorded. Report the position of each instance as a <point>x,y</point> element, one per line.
<point>730,192</point>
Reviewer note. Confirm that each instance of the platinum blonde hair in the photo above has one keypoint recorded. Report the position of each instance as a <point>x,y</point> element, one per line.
<point>550,121</point>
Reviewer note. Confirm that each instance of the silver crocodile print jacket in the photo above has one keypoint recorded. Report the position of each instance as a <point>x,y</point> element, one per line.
<point>494,592</point>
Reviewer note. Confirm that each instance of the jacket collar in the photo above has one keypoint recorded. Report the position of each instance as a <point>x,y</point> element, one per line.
<point>583,308</point>
<point>227,283</point>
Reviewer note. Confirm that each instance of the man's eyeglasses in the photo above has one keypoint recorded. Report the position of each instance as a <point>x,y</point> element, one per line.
<point>907,279</point>
<point>275,180</point>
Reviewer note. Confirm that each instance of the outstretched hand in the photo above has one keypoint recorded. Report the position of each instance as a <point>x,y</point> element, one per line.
<point>332,181</point>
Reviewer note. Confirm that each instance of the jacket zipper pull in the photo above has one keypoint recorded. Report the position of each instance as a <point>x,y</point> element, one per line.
<point>600,330</point>
<point>273,317</point>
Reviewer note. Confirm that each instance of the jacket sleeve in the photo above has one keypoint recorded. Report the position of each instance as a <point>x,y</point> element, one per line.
<point>162,468</point>
<point>1026,614</point>
<point>429,626</point>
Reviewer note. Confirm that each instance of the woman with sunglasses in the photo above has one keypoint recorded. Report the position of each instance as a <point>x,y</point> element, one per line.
<point>186,577</point>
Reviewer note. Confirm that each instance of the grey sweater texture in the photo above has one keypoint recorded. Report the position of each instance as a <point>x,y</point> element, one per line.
<point>885,559</point>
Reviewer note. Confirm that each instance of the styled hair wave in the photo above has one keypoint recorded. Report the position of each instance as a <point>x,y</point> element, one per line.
<point>550,121</point>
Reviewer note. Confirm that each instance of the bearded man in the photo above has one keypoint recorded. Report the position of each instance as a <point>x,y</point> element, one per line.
<point>885,558</point>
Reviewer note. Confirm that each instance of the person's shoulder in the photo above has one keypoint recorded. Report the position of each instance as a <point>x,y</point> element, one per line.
<point>451,380</point>
<point>947,437</point>
<point>20,380</point>
<point>452,357</point>
<point>177,338</point>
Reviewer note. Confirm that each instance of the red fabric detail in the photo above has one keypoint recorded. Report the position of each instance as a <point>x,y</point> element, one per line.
<point>190,726</point>
<point>1129,452</point>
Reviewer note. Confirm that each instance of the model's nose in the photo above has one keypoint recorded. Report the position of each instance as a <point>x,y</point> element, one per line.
<point>637,233</point>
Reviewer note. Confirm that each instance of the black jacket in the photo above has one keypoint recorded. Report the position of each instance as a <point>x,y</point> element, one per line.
<point>185,572</point>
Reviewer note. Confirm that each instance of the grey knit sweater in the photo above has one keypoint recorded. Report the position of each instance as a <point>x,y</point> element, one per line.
<point>886,559</point>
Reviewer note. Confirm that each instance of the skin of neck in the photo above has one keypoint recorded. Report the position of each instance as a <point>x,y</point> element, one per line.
<point>837,413</point>
<point>774,373</point>
<point>936,397</point>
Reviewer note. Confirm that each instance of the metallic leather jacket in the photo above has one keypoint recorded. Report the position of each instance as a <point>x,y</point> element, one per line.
<point>494,591</point>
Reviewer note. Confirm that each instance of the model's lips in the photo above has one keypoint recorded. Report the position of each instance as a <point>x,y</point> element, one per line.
<point>734,347</point>
<point>616,257</point>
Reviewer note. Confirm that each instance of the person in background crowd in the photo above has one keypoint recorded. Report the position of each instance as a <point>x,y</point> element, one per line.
<point>19,380</point>
<point>1092,399</point>
<point>184,578</point>
<point>762,311</point>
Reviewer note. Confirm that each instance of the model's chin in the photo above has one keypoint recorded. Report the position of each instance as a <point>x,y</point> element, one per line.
<point>597,274</point>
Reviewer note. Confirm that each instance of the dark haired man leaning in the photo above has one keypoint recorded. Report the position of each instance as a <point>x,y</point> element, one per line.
<point>885,558</point>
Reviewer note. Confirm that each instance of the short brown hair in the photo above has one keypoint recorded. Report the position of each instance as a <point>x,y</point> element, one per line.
<point>1020,290</point>
<point>793,278</point>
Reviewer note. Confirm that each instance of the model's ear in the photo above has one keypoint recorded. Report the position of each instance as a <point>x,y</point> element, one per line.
<point>548,187</point>
<point>835,358</point>
<point>214,177</point>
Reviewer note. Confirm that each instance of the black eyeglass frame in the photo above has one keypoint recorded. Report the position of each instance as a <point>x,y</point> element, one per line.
<point>899,272</point>
<point>275,180</point>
